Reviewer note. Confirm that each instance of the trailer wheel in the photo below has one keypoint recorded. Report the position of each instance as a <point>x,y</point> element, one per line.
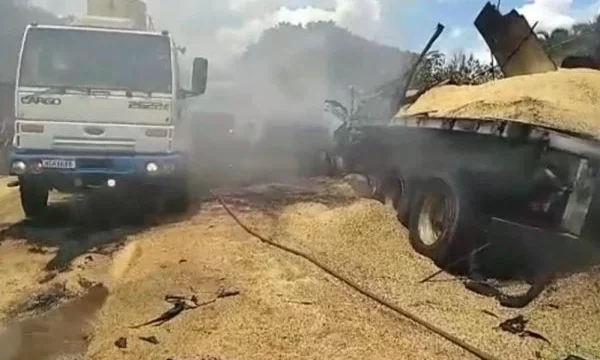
<point>332,167</point>
<point>398,190</point>
<point>442,221</point>
<point>339,164</point>
<point>393,188</point>
<point>402,201</point>
<point>34,197</point>
<point>322,165</point>
<point>376,185</point>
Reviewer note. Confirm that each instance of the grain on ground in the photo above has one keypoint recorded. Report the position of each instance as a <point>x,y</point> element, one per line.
<point>365,242</point>
<point>286,309</point>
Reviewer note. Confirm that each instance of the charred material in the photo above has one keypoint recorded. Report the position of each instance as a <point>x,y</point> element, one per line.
<point>510,301</point>
<point>579,61</point>
<point>513,42</point>
<point>382,103</point>
<point>517,326</point>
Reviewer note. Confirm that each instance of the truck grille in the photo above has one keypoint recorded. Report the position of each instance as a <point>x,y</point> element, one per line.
<point>72,143</point>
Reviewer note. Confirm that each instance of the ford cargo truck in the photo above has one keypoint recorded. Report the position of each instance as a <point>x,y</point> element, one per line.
<point>99,103</point>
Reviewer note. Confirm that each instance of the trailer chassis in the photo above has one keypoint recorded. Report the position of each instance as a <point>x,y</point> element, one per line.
<point>451,196</point>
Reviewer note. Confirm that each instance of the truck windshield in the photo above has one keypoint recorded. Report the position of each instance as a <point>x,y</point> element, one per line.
<point>97,60</point>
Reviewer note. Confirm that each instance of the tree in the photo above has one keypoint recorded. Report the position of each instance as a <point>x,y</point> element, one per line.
<point>292,69</point>
<point>459,69</point>
<point>14,17</point>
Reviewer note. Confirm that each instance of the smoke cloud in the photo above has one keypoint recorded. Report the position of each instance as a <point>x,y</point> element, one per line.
<point>222,29</point>
<point>551,14</point>
<point>359,16</point>
<point>281,87</point>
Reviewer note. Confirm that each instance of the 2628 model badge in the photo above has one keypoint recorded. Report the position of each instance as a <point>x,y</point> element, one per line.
<point>148,105</point>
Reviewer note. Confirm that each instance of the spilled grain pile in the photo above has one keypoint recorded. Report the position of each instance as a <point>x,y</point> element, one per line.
<point>566,99</point>
<point>364,242</point>
<point>286,309</point>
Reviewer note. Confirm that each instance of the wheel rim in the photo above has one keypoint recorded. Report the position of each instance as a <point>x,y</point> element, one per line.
<point>339,163</point>
<point>435,218</point>
<point>373,183</point>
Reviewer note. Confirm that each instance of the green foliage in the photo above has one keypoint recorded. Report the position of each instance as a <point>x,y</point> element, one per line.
<point>320,60</point>
<point>15,15</point>
<point>459,69</point>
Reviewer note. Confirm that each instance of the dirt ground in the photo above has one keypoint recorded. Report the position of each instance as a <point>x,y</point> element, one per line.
<point>70,291</point>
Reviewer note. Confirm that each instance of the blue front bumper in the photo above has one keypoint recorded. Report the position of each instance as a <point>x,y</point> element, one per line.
<point>99,165</point>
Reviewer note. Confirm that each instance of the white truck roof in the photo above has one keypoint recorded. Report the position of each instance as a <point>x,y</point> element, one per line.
<point>98,28</point>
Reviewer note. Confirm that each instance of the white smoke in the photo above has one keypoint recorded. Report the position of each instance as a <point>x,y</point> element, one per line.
<point>222,29</point>
<point>550,14</point>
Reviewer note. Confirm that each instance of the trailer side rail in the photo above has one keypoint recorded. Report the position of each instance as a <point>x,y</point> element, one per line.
<point>574,143</point>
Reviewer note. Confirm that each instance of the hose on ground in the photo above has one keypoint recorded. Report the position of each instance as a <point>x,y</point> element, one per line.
<point>453,339</point>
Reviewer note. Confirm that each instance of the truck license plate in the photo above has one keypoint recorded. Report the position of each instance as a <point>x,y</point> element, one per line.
<point>58,164</point>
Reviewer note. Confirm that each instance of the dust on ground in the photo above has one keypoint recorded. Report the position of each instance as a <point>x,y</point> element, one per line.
<point>286,307</point>
<point>565,99</point>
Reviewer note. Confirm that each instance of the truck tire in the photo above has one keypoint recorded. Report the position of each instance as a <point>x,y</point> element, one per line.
<point>178,198</point>
<point>34,197</point>
<point>402,199</point>
<point>443,222</point>
<point>393,187</point>
<point>329,164</point>
<point>376,185</point>
<point>318,164</point>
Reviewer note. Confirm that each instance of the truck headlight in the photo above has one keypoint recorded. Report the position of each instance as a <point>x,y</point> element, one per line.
<point>18,167</point>
<point>151,167</point>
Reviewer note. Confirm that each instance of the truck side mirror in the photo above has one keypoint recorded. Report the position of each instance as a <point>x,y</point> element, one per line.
<point>199,75</point>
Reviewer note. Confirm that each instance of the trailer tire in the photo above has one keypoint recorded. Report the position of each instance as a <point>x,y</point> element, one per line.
<point>376,185</point>
<point>393,188</point>
<point>402,199</point>
<point>332,168</point>
<point>321,165</point>
<point>34,197</point>
<point>455,233</point>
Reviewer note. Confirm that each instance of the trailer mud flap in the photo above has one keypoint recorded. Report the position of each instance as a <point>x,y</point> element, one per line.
<point>580,199</point>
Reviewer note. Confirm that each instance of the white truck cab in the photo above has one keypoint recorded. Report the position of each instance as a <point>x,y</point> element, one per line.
<point>99,103</point>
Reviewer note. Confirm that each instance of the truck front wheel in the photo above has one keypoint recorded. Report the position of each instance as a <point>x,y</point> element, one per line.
<point>178,197</point>
<point>34,197</point>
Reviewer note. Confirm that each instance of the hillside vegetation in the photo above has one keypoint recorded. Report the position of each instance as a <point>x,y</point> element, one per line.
<point>14,17</point>
<point>292,69</point>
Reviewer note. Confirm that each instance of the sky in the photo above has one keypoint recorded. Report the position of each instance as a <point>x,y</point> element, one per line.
<point>222,29</point>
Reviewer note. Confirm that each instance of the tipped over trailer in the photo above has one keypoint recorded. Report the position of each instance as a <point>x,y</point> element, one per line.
<point>456,182</point>
<point>459,184</point>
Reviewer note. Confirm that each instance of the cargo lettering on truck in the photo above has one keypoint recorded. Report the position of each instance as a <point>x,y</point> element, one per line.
<point>37,100</point>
